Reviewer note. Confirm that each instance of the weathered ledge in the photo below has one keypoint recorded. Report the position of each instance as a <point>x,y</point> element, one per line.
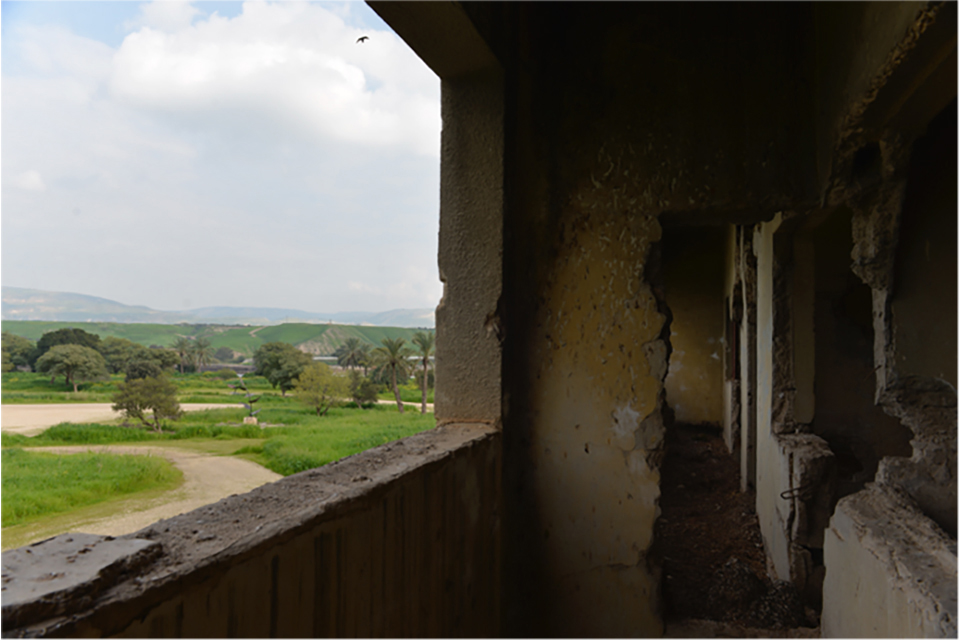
<point>130,576</point>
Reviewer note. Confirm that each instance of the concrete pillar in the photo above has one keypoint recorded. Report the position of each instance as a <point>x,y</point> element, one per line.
<point>748,363</point>
<point>469,330</point>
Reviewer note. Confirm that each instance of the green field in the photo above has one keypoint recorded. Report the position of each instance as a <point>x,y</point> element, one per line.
<point>323,339</point>
<point>37,484</point>
<point>290,438</point>
<point>294,440</point>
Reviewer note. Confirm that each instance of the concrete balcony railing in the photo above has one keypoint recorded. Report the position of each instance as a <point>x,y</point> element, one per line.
<point>400,540</point>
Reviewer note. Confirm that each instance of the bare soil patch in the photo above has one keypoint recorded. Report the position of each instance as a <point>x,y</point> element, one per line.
<point>31,419</point>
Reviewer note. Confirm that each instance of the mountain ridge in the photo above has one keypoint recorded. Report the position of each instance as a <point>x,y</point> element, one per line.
<point>19,303</point>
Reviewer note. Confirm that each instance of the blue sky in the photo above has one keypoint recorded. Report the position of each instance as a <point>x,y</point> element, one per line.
<point>181,155</point>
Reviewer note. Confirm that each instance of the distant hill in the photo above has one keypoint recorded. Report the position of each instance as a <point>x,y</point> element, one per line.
<point>33,304</point>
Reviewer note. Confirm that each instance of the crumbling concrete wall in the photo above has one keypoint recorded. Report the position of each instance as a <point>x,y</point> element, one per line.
<point>693,284</point>
<point>858,431</point>
<point>732,317</point>
<point>891,572</point>
<point>605,138</point>
<point>795,468</point>
<point>904,247</point>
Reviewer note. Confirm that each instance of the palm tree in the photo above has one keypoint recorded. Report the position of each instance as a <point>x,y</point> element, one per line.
<point>424,343</point>
<point>365,356</point>
<point>393,356</point>
<point>202,352</point>
<point>351,354</point>
<point>183,346</point>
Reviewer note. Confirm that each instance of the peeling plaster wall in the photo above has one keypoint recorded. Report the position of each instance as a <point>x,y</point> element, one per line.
<point>693,282</point>
<point>618,115</point>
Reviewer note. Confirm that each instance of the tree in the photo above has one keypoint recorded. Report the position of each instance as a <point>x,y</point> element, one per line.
<point>280,363</point>
<point>318,387</point>
<point>224,354</point>
<point>166,358</point>
<point>158,395</point>
<point>64,336</point>
<point>181,346</point>
<point>76,363</point>
<point>16,350</point>
<point>353,353</point>
<point>363,390</point>
<point>138,369</point>
<point>424,341</point>
<point>392,358</point>
<point>201,352</point>
<point>119,352</point>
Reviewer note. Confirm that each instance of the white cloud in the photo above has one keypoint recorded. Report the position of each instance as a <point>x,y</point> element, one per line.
<point>28,181</point>
<point>261,160</point>
<point>295,67</point>
<point>166,15</point>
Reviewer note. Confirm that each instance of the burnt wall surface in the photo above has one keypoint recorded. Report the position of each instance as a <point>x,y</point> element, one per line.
<point>618,116</point>
<point>400,540</point>
<point>693,279</point>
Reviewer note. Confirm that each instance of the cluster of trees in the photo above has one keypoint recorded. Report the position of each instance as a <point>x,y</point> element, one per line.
<point>118,354</point>
<point>196,352</point>
<point>80,356</point>
<point>317,385</point>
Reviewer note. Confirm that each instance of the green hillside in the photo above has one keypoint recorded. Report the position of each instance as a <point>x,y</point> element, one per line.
<point>319,339</point>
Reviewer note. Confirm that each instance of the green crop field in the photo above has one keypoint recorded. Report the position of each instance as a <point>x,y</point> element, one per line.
<point>322,339</point>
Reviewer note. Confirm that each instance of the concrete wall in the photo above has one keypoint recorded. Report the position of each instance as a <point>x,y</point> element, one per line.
<point>858,431</point>
<point>400,540</point>
<point>925,284</point>
<point>693,283</point>
<point>891,572</point>
<point>618,116</point>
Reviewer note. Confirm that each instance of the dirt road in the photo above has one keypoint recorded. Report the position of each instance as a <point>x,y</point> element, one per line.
<point>31,419</point>
<point>206,478</point>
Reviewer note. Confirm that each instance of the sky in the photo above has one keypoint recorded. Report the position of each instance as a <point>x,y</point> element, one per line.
<point>190,154</point>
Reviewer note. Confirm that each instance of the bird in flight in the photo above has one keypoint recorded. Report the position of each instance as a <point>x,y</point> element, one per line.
<point>362,39</point>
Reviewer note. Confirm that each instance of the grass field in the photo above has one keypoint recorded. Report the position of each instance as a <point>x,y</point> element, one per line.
<point>20,387</point>
<point>297,440</point>
<point>323,339</point>
<point>37,484</point>
<point>408,393</point>
<point>293,439</point>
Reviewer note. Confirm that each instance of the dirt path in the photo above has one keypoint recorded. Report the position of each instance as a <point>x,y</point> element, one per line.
<point>31,419</point>
<point>206,478</point>
<point>407,404</point>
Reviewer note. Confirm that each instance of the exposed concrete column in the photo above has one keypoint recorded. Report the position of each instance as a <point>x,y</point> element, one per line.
<point>748,362</point>
<point>469,330</point>
<point>733,316</point>
<point>794,470</point>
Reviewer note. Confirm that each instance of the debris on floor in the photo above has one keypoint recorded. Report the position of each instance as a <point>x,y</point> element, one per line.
<point>711,552</point>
